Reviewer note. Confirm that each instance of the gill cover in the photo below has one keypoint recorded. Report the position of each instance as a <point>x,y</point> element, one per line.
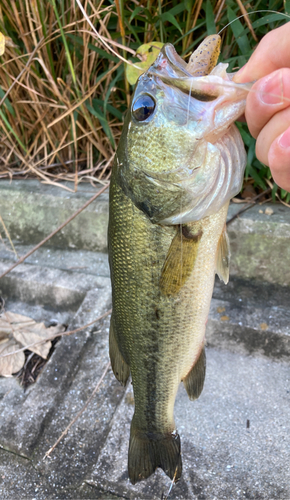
<point>180,157</point>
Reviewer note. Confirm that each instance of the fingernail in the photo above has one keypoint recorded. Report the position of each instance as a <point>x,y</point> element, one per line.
<point>271,91</point>
<point>284,139</point>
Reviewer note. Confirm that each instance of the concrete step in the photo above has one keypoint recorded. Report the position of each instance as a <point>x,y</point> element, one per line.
<point>74,261</point>
<point>32,210</point>
<point>246,315</point>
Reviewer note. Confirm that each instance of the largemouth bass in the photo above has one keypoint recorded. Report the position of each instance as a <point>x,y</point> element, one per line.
<point>179,161</point>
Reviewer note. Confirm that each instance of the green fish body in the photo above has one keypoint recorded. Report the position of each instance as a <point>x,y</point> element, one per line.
<point>179,161</point>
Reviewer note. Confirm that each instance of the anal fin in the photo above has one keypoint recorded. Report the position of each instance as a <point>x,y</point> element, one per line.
<point>194,380</point>
<point>119,366</point>
<point>223,257</point>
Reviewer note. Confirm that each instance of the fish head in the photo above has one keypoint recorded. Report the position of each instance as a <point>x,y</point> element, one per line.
<point>179,159</point>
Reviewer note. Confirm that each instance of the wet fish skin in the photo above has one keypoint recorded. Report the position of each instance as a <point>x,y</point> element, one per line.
<point>163,260</point>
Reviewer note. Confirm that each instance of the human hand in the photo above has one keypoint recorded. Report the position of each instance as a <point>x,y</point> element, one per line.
<point>268,103</point>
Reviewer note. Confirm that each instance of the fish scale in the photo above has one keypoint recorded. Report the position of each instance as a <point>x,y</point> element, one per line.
<point>162,268</point>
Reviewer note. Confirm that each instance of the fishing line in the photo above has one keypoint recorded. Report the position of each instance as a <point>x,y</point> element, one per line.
<point>165,496</point>
<point>137,67</point>
<point>254,12</point>
<point>188,106</point>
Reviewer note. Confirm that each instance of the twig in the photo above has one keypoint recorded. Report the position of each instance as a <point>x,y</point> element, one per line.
<point>251,203</point>
<point>245,14</point>
<point>8,236</point>
<point>79,413</point>
<point>102,39</point>
<point>54,232</point>
<point>276,194</point>
<point>61,334</point>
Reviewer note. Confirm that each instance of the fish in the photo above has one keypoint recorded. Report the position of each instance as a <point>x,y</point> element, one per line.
<point>179,162</point>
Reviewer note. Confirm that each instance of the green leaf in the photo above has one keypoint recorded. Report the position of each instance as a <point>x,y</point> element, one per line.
<point>188,5</point>
<point>246,136</point>
<point>254,174</point>
<point>274,191</point>
<point>269,18</point>
<point>178,8</point>
<point>284,193</point>
<point>210,24</point>
<point>103,121</point>
<point>111,109</point>
<point>135,13</point>
<point>7,103</point>
<point>287,6</point>
<point>239,32</point>
<point>67,51</point>
<point>118,77</point>
<point>6,122</point>
<point>166,16</point>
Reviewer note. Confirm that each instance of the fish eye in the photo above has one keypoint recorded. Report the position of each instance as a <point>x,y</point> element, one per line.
<point>143,107</point>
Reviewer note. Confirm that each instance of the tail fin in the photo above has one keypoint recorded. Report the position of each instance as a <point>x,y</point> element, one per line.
<point>147,451</point>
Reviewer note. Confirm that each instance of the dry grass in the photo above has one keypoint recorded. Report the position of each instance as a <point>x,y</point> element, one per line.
<point>54,123</point>
<point>63,93</point>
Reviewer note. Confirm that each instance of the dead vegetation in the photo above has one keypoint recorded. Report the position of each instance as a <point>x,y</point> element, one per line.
<point>63,88</point>
<point>55,88</point>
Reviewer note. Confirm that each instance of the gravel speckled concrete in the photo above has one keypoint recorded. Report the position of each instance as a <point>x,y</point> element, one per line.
<point>223,459</point>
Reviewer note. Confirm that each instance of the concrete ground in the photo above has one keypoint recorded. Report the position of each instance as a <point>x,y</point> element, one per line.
<point>235,437</point>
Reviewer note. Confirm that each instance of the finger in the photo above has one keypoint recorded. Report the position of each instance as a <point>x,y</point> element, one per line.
<point>273,129</point>
<point>268,96</point>
<point>279,160</point>
<point>272,53</point>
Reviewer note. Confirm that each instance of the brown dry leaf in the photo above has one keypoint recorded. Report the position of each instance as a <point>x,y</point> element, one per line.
<point>225,318</point>
<point>264,326</point>
<point>17,331</point>
<point>10,364</point>
<point>37,333</point>
<point>221,309</point>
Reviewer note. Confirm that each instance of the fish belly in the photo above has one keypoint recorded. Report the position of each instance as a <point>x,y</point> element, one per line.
<point>156,336</point>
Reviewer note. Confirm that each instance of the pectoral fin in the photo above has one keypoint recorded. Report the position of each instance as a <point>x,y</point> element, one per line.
<point>194,380</point>
<point>119,366</point>
<point>223,257</point>
<point>180,260</point>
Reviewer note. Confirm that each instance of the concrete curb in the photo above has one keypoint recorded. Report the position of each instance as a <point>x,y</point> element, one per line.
<point>31,211</point>
<point>259,243</point>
